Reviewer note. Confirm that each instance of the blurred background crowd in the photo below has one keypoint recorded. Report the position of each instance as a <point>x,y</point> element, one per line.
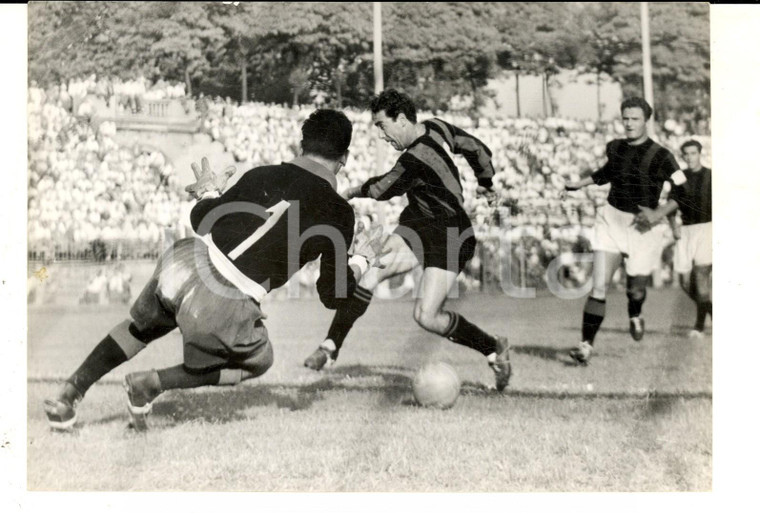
<point>122,95</point>
<point>92,198</point>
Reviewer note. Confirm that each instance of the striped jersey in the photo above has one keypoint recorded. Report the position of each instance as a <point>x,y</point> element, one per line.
<point>428,176</point>
<point>694,197</point>
<point>637,174</point>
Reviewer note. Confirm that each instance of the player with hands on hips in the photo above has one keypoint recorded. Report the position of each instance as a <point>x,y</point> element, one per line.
<point>636,168</point>
<point>693,252</point>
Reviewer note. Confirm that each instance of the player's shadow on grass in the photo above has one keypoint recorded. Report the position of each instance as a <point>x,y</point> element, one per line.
<point>683,330</point>
<point>221,405</point>
<point>547,353</point>
<point>229,404</point>
<point>623,331</point>
<point>395,381</point>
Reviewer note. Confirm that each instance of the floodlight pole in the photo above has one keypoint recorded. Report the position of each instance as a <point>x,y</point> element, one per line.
<point>646,55</point>
<point>377,47</point>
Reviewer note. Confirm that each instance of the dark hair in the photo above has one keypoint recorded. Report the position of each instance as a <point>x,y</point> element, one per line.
<point>326,133</point>
<point>637,102</point>
<point>393,103</point>
<point>691,142</point>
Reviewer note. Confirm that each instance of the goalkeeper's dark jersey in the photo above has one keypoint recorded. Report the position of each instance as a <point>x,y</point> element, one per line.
<point>276,219</point>
<point>637,174</point>
<point>694,197</point>
<point>429,177</point>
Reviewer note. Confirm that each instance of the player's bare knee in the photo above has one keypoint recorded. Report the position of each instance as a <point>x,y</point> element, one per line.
<point>371,278</point>
<point>430,320</point>
<point>599,291</point>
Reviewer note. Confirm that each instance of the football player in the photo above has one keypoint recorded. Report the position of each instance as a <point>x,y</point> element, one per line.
<point>249,240</point>
<point>434,229</point>
<point>637,168</point>
<point>693,254</point>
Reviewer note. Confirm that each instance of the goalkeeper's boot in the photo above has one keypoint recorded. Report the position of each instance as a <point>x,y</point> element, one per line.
<point>326,354</point>
<point>582,353</point>
<point>500,364</point>
<point>637,328</point>
<point>142,388</point>
<point>61,411</point>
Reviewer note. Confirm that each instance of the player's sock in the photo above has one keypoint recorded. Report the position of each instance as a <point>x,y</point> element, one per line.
<point>593,315</point>
<point>703,308</point>
<point>179,377</point>
<point>461,331</point>
<point>637,294</point>
<point>689,286</point>
<point>106,356</point>
<point>347,314</point>
<point>122,343</point>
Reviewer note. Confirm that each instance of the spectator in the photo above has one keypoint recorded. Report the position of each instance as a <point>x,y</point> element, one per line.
<point>83,186</point>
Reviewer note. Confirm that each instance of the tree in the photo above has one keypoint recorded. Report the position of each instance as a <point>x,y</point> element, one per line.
<point>320,45</point>
<point>183,36</point>
<point>70,39</point>
<point>436,51</point>
<point>680,39</point>
<point>608,41</point>
<point>534,39</point>
<point>236,22</point>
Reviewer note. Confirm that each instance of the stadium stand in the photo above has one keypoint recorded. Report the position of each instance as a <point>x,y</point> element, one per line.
<point>93,199</point>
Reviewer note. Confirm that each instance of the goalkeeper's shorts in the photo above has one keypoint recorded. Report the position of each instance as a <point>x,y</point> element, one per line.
<point>221,327</point>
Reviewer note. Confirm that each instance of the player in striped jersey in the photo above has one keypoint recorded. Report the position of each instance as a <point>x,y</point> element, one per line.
<point>637,168</point>
<point>434,229</point>
<point>250,240</point>
<point>693,254</point>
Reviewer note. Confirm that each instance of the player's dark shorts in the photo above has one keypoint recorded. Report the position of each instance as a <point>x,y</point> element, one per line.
<point>221,327</point>
<point>443,243</point>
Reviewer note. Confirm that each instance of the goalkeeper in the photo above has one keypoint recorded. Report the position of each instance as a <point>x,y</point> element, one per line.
<point>250,239</point>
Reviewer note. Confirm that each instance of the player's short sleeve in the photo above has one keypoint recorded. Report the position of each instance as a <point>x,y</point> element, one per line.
<point>604,174</point>
<point>670,171</point>
<point>677,193</point>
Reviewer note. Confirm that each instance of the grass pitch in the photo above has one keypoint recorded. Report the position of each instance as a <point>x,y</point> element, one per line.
<point>638,418</point>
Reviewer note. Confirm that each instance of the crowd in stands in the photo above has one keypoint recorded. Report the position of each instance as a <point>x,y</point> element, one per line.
<point>533,158</point>
<point>84,187</point>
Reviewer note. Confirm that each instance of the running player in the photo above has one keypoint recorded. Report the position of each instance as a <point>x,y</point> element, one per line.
<point>693,254</point>
<point>434,229</point>
<point>250,240</point>
<point>637,168</point>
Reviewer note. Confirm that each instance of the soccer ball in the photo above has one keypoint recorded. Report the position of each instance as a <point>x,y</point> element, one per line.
<point>436,385</point>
